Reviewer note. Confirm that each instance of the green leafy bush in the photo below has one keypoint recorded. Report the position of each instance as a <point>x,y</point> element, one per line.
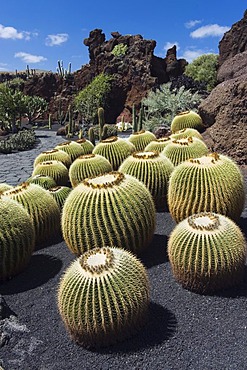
<point>204,69</point>
<point>119,50</point>
<point>23,140</point>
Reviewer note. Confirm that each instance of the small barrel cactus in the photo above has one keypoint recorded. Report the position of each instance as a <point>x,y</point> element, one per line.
<point>72,148</point>
<point>180,150</point>
<point>158,144</point>
<point>104,297</point>
<point>88,165</point>
<point>186,132</point>
<point>4,186</point>
<point>53,155</point>
<point>109,209</point>
<point>86,145</point>
<point>60,193</point>
<point>153,169</point>
<point>187,119</point>
<point>114,149</point>
<point>141,139</point>
<point>42,208</point>
<point>207,252</point>
<point>46,182</point>
<point>17,238</point>
<point>55,169</point>
<point>212,183</point>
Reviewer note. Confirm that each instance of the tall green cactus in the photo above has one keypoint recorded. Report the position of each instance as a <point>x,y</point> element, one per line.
<point>134,119</point>
<point>101,121</point>
<point>91,135</point>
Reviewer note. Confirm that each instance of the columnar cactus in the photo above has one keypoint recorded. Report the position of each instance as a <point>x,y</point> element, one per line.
<point>72,148</point>
<point>207,252</point>
<point>141,139</point>
<point>186,119</point>
<point>212,183</point>
<point>60,193</point>
<point>115,150</point>
<point>104,297</point>
<point>180,150</point>
<point>109,209</point>
<point>86,145</point>
<point>153,169</point>
<point>17,238</point>
<point>86,166</point>
<point>53,155</point>
<point>4,186</point>
<point>46,182</point>
<point>55,169</point>
<point>186,132</point>
<point>158,144</point>
<point>42,208</point>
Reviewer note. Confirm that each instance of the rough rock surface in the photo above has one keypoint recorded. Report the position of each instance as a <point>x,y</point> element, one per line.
<point>233,67</point>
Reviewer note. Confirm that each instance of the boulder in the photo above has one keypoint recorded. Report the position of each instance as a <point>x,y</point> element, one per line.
<point>233,67</point>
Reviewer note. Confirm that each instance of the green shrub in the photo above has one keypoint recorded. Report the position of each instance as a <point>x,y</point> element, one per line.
<point>23,140</point>
<point>119,50</point>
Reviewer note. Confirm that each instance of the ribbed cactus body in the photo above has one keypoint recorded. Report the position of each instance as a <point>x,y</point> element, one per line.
<point>186,132</point>
<point>153,169</point>
<point>86,145</point>
<point>207,252</point>
<point>115,150</point>
<point>17,238</point>
<point>46,182</point>
<point>4,186</point>
<point>72,148</point>
<point>187,119</point>
<point>103,297</point>
<point>53,155</point>
<point>42,208</point>
<point>180,150</point>
<point>141,139</point>
<point>55,169</point>
<point>109,209</point>
<point>158,144</point>
<point>88,165</point>
<point>212,183</point>
<point>60,193</point>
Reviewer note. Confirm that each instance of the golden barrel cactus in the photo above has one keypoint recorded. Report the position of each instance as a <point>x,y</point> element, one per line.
<point>158,144</point>
<point>55,169</point>
<point>187,119</point>
<point>53,155</point>
<point>140,139</point>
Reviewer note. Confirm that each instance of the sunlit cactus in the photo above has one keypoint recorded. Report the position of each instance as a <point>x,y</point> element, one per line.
<point>73,149</point>
<point>158,144</point>
<point>186,132</point>
<point>86,145</point>
<point>141,139</point>
<point>4,186</point>
<point>187,119</point>
<point>55,169</point>
<point>207,253</point>
<point>103,297</point>
<point>53,155</point>
<point>60,193</point>
<point>212,183</point>
<point>108,210</point>
<point>46,182</point>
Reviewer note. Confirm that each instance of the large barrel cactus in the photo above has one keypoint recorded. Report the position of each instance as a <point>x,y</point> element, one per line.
<point>55,169</point>
<point>153,169</point>
<point>86,145</point>
<point>46,182</point>
<point>17,238</point>
<point>42,208</point>
<point>187,119</point>
<point>88,165</point>
<point>158,144</point>
<point>186,132</point>
<point>53,155</point>
<point>103,297</point>
<point>207,252</point>
<point>114,149</point>
<point>4,186</point>
<point>180,150</point>
<point>212,183</point>
<point>60,193</point>
<point>72,148</point>
<point>140,139</point>
<point>109,209</point>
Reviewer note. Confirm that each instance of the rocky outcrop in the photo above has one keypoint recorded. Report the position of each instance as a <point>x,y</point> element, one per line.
<point>233,67</point>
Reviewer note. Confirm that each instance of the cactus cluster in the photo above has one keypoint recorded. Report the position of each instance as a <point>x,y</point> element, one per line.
<point>53,155</point>
<point>112,209</point>
<point>187,119</point>
<point>104,297</point>
<point>211,183</point>
<point>55,169</point>
<point>72,148</point>
<point>141,139</point>
<point>207,252</point>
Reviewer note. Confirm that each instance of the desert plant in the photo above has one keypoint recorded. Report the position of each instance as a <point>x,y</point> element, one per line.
<point>207,252</point>
<point>4,186</point>
<point>141,139</point>
<point>212,183</point>
<point>204,69</point>
<point>111,130</point>
<point>55,169</point>
<point>22,140</point>
<point>119,50</point>
<point>187,119</point>
<point>109,210</point>
<point>73,149</point>
<point>60,193</point>
<point>53,155</point>
<point>186,132</point>
<point>44,181</point>
<point>86,145</point>
<point>35,107</point>
<point>104,297</point>
<point>158,144</point>
<point>63,72</point>
<point>17,238</point>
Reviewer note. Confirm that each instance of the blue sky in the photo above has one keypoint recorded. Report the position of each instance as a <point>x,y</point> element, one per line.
<point>39,33</point>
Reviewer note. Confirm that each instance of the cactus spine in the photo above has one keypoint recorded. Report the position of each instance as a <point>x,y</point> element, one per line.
<point>60,193</point>
<point>141,139</point>
<point>55,169</point>
<point>4,186</point>
<point>45,182</point>
<point>207,252</point>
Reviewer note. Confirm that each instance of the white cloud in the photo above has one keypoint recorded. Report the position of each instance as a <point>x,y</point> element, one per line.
<point>169,45</point>
<point>191,54</point>
<point>29,58</point>
<point>209,30</point>
<point>57,39</point>
<point>191,24</point>
<point>12,33</point>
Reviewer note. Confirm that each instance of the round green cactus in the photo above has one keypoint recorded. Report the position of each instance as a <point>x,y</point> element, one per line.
<point>153,169</point>
<point>4,186</point>
<point>86,145</point>
<point>141,139</point>
<point>212,183</point>
<point>114,149</point>
<point>55,169</point>
<point>207,252</point>
<point>53,155</point>
<point>186,132</point>
<point>158,144</point>
<point>46,182</point>
<point>109,209</point>
<point>60,193</point>
<point>187,119</point>
<point>42,208</point>
<point>88,165</point>
<point>72,148</point>
<point>17,238</point>
<point>104,297</point>
<point>180,150</point>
